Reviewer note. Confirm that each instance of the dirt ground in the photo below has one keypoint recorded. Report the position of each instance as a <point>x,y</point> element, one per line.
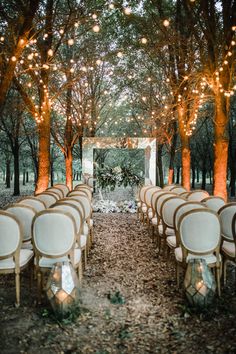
<point>129,304</point>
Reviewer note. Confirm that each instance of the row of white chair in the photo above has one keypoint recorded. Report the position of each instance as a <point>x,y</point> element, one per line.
<point>68,223</point>
<point>166,212</point>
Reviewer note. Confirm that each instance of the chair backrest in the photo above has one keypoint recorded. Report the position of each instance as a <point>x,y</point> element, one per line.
<point>72,201</point>
<point>184,208</point>
<point>178,189</point>
<point>48,198</point>
<point>168,187</point>
<point>74,211</point>
<point>168,209</point>
<point>185,194</point>
<point>34,202</point>
<point>142,192</point>
<point>234,229</point>
<point>91,181</point>
<point>226,214</point>
<point>25,215</point>
<point>213,202</point>
<point>86,204</point>
<point>84,185</point>
<point>160,199</point>
<point>10,235</point>
<point>63,188</point>
<point>54,233</point>
<point>148,195</point>
<point>57,191</point>
<point>154,198</point>
<point>200,231</point>
<point>77,192</point>
<point>198,195</point>
<point>87,191</point>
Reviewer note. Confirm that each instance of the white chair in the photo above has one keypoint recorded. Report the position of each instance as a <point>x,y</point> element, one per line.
<point>167,212</point>
<point>48,198</point>
<point>82,240</point>
<point>87,214</point>
<point>34,202</point>
<point>197,195</point>
<point>84,190</point>
<point>77,192</point>
<point>200,236</point>
<point>168,187</point>
<point>173,241</point>
<point>13,259</point>
<point>25,215</point>
<point>147,199</point>
<point>178,189</point>
<point>57,191</point>
<point>168,232</point>
<point>142,210</point>
<point>185,194</point>
<point>154,221</point>
<point>54,238</point>
<point>84,185</point>
<point>213,202</point>
<point>226,215</point>
<point>63,187</point>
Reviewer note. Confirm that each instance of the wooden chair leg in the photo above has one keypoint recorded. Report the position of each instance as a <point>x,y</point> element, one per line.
<point>17,279</point>
<point>218,280</point>
<point>80,272</point>
<point>39,286</point>
<point>224,271</point>
<point>177,275</point>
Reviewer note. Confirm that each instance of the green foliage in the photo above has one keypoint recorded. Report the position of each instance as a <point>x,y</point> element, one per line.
<point>120,175</point>
<point>67,318</point>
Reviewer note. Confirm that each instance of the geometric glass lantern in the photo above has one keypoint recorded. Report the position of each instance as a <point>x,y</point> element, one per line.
<point>199,283</point>
<point>62,287</point>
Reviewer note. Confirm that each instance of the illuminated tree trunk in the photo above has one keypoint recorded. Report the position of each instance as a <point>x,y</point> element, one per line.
<point>172,154</point>
<point>45,109</point>
<point>185,150</point>
<point>44,154</point>
<point>221,147</point>
<point>69,168</point>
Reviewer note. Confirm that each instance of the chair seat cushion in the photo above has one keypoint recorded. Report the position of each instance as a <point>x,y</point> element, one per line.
<point>90,223</point>
<point>46,262</point>
<point>229,248</point>
<point>169,232</point>
<point>83,241</point>
<point>25,256</point>
<point>150,214</point>
<point>171,241</point>
<point>85,229</point>
<point>144,209</point>
<point>154,221</point>
<point>210,258</point>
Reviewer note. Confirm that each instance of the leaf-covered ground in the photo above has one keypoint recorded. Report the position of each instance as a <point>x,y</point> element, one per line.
<point>130,304</point>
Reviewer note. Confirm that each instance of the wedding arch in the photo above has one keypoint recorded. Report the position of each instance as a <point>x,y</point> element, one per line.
<point>148,145</point>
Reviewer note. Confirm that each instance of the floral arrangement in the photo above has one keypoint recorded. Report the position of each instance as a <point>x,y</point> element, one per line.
<point>109,206</point>
<point>108,177</point>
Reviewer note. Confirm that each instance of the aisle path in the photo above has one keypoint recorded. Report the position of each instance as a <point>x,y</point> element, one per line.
<point>130,305</point>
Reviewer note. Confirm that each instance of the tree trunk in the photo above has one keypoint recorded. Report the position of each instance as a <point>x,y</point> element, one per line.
<point>27,176</point>
<point>16,172</point>
<point>185,149</point>
<point>69,168</point>
<point>220,147</point>
<point>160,166</point>
<point>186,161</point>
<point>24,177</point>
<point>193,176</point>
<point>44,155</point>
<point>8,174</point>
<point>204,178</point>
<point>198,177</point>
<point>178,175</point>
<point>172,154</point>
